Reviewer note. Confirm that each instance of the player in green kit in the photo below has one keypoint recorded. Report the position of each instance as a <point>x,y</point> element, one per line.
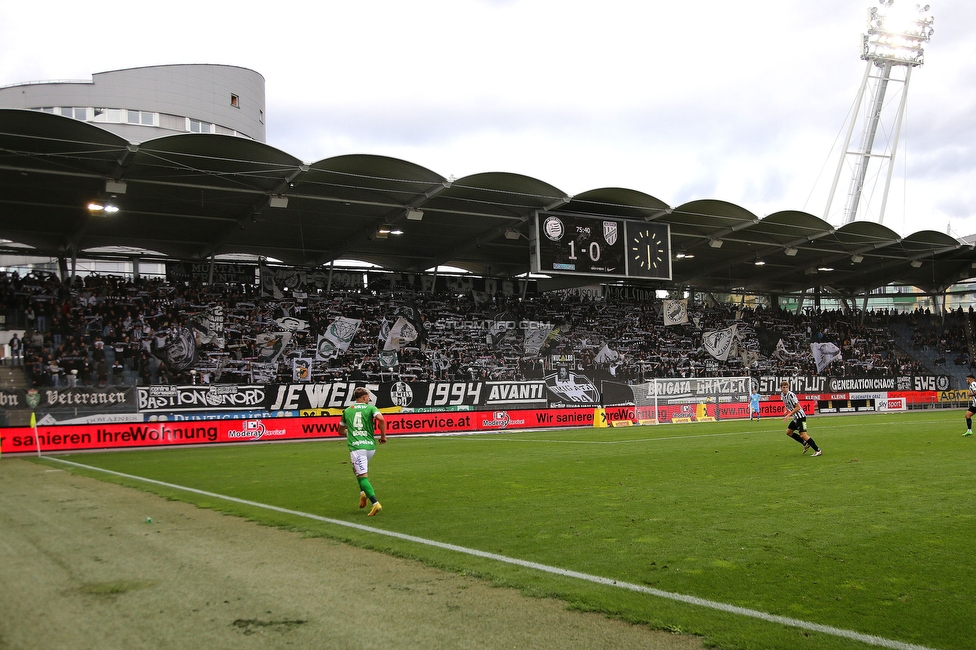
<point>357,424</point>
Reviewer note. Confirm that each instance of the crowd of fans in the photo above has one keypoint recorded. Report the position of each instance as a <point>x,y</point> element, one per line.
<point>946,339</point>
<point>110,330</point>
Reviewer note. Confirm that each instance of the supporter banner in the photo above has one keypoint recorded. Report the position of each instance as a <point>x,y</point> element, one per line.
<point>219,397</point>
<point>568,387</point>
<point>422,283</point>
<point>700,387</point>
<point>30,399</point>
<point>413,395</point>
<point>155,434</point>
<point>302,396</point>
<point>817,384</point>
<point>276,281</point>
<point>223,273</point>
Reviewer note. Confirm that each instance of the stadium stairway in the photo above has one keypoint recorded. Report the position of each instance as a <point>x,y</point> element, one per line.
<point>12,377</point>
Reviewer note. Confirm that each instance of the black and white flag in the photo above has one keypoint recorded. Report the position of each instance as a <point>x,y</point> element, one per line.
<point>271,345</point>
<point>536,334</point>
<point>675,312</point>
<point>824,354</point>
<point>338,335</point>
<point>210,326</point>
<point>402,333</point>
<point>719,343</point>
<point>180,352</point>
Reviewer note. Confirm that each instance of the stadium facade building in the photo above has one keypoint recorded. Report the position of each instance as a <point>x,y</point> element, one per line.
<point>140,104</point>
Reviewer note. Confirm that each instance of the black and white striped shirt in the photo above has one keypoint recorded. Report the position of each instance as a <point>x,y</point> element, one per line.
<point>791,402</point>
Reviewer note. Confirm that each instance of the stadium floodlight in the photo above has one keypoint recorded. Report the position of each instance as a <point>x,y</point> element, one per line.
<point>715,243</point>
<point>760,263</point>
<point>102,208</point>
<point>790,252</point>
<point>857,259</point>
<point>896,34</point>
<point>893,46</point>
<point>512,233</point>
<point>916,264</point>
<point>278,201</point>
<point>415,215</point>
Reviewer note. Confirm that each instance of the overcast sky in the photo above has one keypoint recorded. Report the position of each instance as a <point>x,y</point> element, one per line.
<point>743,102</point>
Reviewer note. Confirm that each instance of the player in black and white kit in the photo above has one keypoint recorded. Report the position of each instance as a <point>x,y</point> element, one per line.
<point>971,380</point>
<point>797,428</point>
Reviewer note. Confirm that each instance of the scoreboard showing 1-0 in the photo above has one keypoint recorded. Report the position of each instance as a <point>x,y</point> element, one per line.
<point>580,245</point>
<point>585,245</point>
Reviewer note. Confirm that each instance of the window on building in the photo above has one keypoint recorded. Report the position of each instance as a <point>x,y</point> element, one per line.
<point>235,101</point>
<point>112,115</point>
<point>67,111</point>
<point>196,126</point>
<point>144,118</point>
<point>81,113</point>
<point>261,116</point>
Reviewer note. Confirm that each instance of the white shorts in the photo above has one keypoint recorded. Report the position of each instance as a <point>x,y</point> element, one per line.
<point>360,460</point>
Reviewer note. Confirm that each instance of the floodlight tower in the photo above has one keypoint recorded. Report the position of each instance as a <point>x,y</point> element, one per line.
<point>892,46</point>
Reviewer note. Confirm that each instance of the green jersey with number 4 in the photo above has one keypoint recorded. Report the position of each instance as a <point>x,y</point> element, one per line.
<point>358,419</point>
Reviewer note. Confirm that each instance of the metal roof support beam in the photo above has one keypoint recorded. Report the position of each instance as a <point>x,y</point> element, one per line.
<point>724,232</point>
<point>484,238</point>
<point>366,233</point>
<point>124,160</point>
<point>256,209</point>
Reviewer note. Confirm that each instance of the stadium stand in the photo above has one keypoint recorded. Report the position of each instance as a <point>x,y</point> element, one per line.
<point>110,330</point>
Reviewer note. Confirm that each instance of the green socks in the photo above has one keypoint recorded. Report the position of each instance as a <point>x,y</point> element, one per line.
<point>365,486</point>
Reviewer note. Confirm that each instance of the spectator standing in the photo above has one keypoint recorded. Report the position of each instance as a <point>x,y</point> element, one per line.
<point>16,350</point>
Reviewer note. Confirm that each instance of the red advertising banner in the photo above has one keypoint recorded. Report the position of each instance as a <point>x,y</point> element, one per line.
<point>153,434</point>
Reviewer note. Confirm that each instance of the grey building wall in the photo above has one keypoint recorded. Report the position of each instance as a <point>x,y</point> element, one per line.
<point>168,95</point>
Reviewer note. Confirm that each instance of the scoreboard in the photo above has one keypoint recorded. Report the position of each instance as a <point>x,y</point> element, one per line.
<point>584,245</point>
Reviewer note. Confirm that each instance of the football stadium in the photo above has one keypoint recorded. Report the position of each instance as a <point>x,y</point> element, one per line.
<point>601,421</point>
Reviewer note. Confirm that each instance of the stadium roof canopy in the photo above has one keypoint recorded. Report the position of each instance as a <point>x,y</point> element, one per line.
<point>192,196</point>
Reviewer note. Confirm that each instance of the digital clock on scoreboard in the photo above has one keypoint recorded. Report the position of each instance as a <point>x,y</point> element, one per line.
<point>584,245</point>
<point>580,245</point>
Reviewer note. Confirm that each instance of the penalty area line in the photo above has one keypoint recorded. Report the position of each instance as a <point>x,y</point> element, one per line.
<point>669,595</point>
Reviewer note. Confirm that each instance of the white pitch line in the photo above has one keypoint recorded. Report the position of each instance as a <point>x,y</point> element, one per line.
<point>682,598</point>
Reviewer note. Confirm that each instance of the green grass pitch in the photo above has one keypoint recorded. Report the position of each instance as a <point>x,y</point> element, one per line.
<point>876,536</point>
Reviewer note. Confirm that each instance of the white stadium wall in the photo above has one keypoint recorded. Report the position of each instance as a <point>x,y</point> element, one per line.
<point>140,104</point>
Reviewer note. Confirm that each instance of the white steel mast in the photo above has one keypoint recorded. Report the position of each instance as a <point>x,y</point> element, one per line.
<point>892,46</point>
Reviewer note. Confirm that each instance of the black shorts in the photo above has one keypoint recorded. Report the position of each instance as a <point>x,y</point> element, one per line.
<point>798,424</point>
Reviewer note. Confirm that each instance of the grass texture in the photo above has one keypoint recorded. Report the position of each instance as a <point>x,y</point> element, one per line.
<point>875,536</point>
